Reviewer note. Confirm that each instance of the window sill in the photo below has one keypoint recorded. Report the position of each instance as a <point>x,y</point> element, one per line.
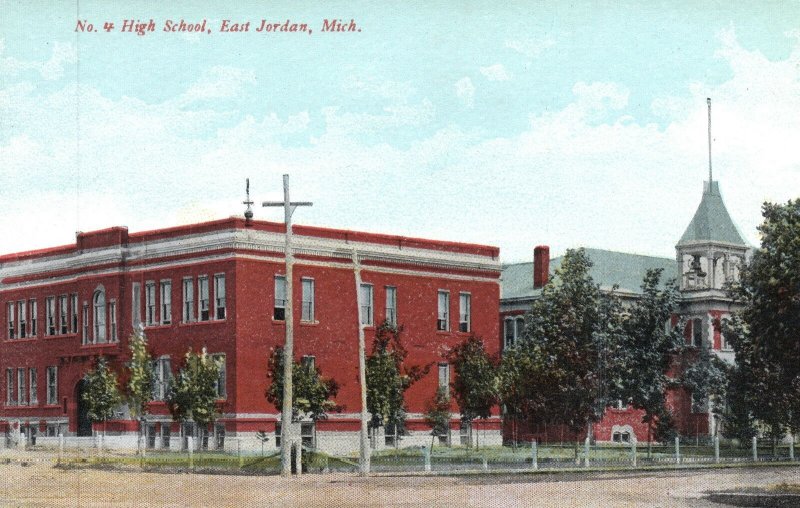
<point>192,323</point>
<point>101,345</point>
<point>26,339</point>
<point>464,334</point>
<point>443,332</point>
<point>309,323</point>
<point>60,336</point>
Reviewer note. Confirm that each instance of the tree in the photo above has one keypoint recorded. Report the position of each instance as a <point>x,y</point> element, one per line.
<point>193,396</point>
<point>312,395</point>
<point>562,340</point>
<point>388,378</point>
<point>437,414</point>
<point>475,384</point>
<point>101,392</point>
<point>647,350</point>
<point>140,380</point>
<point>707,378</point>
<point>765,337</point>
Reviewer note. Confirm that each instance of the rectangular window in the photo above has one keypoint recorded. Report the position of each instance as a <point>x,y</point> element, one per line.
<point>85,323</point>
<point>33,386</point>
<point>150,303</point>
<point>202,289</point>
<point>23,319</point>
<point>697,332</point>
<point>136,305</point>
<point>162,378</point>
<point>307,313</point>
<point>444,377</point>
<point>165,435</point>
<point>63,317</point>
<point>279,313</point>
<point>443,319</point>
<point>465,431</point>
<point>307,434</point>
<point>508,324</point>
<point>22,390</point>
<point>367,317</point>
<point>50,315</point>
<point>166,302</point>
<point>464,312</point>
<point>220,387</point>
<point>52,385</point>
<point>188,300</point>
<point>73,313</point>
<point>391,305</point>
<point>11,394</point>
<point>308,361</point>
<point>112,318</point>
<point>33,315</point>
<point>390,437</point>
<point>12,330</point>
<point>278,434</point>
<point>219,296</point>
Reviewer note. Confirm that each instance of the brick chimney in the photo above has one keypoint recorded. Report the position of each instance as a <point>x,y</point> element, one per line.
<point>541,265</point>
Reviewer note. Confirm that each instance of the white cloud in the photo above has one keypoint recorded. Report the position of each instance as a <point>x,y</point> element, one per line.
<point>218,82</point>
<point>496,72</point>
<point>465,91</point>
<point>584,174</point>
<point>51,69</point>
<point>531,48</point>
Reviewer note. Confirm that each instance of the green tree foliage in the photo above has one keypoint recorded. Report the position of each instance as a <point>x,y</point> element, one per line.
<point>140,375</point>
<point>312,395</point>
<point>645,351</point>
<point>437,413</point>
<point>739,422</point>
<point>707,378</point>
<point>193,396</point>
<point>388,377</point>
<point>475,384</point>
<point>101,392</point>
<point>766,338</point>
<point>562,342</point>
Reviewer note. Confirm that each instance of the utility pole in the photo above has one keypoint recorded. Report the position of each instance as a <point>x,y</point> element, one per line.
<point>362,371</point>
<point>288,354</point>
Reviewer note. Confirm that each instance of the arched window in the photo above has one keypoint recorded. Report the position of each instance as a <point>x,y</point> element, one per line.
<point>99,301</point>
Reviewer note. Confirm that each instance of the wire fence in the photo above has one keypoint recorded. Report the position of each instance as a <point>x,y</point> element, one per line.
<point>438,459</point>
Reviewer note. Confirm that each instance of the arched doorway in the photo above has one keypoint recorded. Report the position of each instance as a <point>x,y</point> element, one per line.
<point>84,423</point>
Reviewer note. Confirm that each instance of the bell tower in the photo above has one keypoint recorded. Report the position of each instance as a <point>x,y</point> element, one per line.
<point>710,254</point>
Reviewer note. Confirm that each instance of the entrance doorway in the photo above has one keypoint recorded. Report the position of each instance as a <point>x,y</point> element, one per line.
<point>84,423</point>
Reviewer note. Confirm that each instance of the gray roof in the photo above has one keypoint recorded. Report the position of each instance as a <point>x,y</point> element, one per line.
<point>608,268</point>
<point>711,222</point>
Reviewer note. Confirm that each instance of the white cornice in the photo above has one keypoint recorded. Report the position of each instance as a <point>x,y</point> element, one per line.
<point>152,254</point>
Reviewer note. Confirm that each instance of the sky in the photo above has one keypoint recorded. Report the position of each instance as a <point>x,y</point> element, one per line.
<point>558,123</point>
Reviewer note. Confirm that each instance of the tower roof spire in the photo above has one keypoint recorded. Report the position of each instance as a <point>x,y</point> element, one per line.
<point>711,221</point>
<point>710,179</point>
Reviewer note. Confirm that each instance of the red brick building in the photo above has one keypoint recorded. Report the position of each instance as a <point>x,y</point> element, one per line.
<point>709,254</point>
<point>219,285</point>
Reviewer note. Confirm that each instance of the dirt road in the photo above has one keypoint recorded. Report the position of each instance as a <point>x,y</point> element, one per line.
<point>43,485</point>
